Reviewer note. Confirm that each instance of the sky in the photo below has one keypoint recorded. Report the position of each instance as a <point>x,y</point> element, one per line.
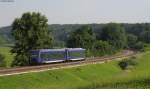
<point>78,11</point>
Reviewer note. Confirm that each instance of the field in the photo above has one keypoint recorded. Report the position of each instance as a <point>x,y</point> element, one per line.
<point>8,56</point>
<point>96,76</point>
<point>2,41</point>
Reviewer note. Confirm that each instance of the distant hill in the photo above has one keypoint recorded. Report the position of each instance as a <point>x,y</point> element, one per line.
<point>5,35</point>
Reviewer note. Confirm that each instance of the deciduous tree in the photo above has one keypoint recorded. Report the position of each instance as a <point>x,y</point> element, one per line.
<point>115,35</point>
<point>30,33</point>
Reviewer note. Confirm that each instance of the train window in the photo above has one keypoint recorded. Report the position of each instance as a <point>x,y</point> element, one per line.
<point>76,54</point>
<point>34,56</point>
<point>52,55</point>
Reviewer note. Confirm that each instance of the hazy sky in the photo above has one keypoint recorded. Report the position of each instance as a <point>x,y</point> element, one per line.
<point>78,11</point>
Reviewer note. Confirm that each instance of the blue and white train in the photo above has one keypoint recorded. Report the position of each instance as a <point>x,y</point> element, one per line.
<point>57,55</point>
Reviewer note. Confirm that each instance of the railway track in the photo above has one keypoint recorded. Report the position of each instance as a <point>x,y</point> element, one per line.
<point>21,70</point>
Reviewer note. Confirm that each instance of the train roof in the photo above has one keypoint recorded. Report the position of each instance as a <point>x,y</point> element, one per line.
<point>45,50</point>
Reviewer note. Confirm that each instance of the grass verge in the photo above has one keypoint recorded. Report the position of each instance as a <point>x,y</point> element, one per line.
<point>96,76</point>
<point>8,55</point>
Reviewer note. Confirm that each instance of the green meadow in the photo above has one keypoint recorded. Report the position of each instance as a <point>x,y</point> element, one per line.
<point>93,76</point>
<point>5,50</point>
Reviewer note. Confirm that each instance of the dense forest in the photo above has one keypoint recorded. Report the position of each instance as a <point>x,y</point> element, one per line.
<point>62,32</point>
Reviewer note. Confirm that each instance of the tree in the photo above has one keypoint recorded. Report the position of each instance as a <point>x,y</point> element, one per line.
<point>30,33</point>
<point>82,37</point>
<point>2,61</point>
<point>139,45</point>
<point>102,48</point>
<point>134,43</point>
<point>128,63</point>
<point>146,36</point>
<point>115,35</point>
<point>132,40</point>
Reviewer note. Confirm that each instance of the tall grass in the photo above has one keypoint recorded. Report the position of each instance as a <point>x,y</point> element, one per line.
<point>138,78</point>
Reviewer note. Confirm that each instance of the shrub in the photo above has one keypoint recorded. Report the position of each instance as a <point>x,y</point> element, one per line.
<point>139,45</point>
<point>2,61</point>
<point>20,60</point>
<point>146,47</point>
<point>88,53</point>
<point>102,48</point>
<point>128,63</point>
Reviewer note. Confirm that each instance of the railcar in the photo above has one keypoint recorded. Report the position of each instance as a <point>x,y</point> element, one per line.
<point>76,54</point>
<point>57,55</point>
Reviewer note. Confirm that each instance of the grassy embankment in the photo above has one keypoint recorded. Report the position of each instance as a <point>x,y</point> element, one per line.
<point>5,47</point>
<point>97,76</point>
<point>4,50</point>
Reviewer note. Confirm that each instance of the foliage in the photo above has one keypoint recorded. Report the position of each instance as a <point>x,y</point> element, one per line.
<point>115,35</point>
<point>132,40</point>
<point>20,60</point>
<point>2,61</point>
<point>59,44</point>
<point>89,53</point>
<point>146,47</point>
<point>2,40</point>
<point>126,63</point>
<point>30,33</point>
<point>5,51</point>
<point>61,32</point>
<point>81,38</point>
<point>139,45</point>
<point>146,36</point>
<point>102,48</point>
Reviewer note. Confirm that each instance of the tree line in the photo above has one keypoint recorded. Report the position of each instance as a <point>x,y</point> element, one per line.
<point>30,32</point>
